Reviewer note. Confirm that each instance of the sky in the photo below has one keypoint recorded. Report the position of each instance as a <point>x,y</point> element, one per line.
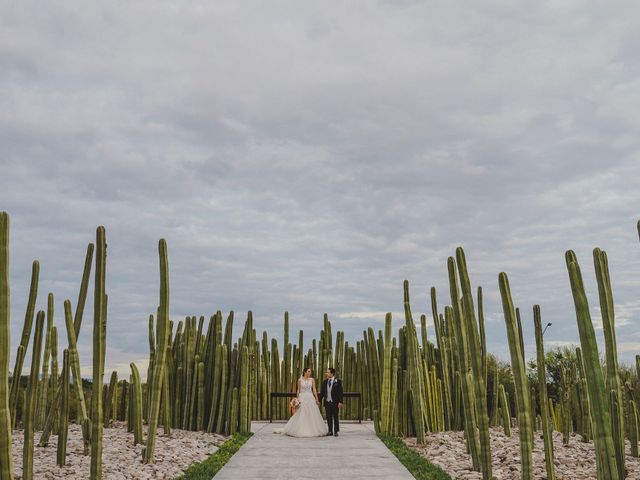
<point>310,156</point>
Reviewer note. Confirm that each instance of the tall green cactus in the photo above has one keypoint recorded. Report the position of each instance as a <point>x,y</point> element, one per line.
<point>245,420</point>
<point>387,373</point>
<point>99,328</point>
<point>613,382</point>
<point>542,395</point>
<point>43,390</point>
<point>24,341</point>
<point>160,354</point>
<point>518,367</point>
<point>6,460</point>
<point>63,415</point>
<point>598,399</point>
<point>32,388</point>
<point>478,362</point>
<point>456,316</point>
<point>84,286</point>
<point>74,360</point>
<point>634,428</point>
<point>108,404</point>
<point>506,413</point>
<point>136,405</point>
<point>415,368</point>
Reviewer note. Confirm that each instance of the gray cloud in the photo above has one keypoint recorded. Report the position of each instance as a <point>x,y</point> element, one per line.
<point>311,157</point>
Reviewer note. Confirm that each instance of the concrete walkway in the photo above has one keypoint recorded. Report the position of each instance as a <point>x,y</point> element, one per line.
<point>356,454</point>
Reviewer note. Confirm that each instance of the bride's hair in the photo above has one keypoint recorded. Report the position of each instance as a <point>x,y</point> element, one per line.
<point>304,371</point>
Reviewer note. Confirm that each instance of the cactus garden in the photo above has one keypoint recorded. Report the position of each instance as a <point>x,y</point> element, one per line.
<point>210,376</point>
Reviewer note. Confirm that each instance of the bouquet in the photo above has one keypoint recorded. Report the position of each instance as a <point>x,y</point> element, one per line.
<point>295,404</point>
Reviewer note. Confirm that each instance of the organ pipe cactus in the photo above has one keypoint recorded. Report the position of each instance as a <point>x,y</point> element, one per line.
<point>54,364</point>
<point>99,328</point>
<point>542,395</point>
<point>44,383</point>
<point>245,420</point>
<point>108,404</point>
<point>6,460</point>
<point>63,415</point>
<point>160,354</point>
<point>518,368</point>
<point>634,426</point>
<point>136,405</point>
<point>74,361</point>
<point>455,316</point>
<point>506,413</point>
<point>387,372</point>
<point>84,286</point>
<point>598,399</point>
<point>32,388</point>
<point>24,341</point>
<point>415,367</point>
<point>476,349</point>
<point>613,382</point>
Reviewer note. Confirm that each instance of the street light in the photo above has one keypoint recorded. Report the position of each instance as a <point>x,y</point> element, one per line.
<point>545,328</point>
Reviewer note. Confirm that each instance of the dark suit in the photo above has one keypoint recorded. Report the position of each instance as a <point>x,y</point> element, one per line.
<point>331,407</point>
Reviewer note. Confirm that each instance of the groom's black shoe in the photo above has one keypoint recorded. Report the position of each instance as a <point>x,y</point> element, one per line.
<point>335,434</point>
<point>329,434</point>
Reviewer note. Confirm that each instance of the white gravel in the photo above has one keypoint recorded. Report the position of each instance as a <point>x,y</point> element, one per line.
<point>120,459</point>
<point>575,461</point>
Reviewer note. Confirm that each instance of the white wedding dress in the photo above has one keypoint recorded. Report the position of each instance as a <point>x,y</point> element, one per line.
<point>307,421</point>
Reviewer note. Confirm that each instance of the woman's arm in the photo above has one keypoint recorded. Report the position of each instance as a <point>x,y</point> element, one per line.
<point>315,392</point>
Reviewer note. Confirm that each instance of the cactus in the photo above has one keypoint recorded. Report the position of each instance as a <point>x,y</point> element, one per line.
<point>245,419</point>
<point>43,390</point>
<point>74,361</point>
<point>634,426</point>
<point>24,342</point>
<point>612,377</point>
<point>478,364</point>
<point>387,374</point>
<point>598,400</point>
<point>542,393</point>
<point>160,354</point>
<point>136,405</point>
<point>63,415</point>
<point>504,408</point>
<point>414,367</point>
<point>99,327</point>
<point>524,413</point>
<point>233,420</point>
<point>455,316</point>
<point>6,460</point>
<point>220,426</point>
<point>32,388</point>
<point>108,404</point>
<point>443,364</point>
<point>84,286</point>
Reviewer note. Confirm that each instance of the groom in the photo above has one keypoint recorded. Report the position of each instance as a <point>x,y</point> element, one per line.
<point>331,392</point>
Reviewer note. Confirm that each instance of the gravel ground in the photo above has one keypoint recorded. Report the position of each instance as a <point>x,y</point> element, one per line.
<point>120,459</point>
<point>575,461</point>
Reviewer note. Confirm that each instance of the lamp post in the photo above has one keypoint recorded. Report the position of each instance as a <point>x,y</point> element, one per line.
<point>545,328</point>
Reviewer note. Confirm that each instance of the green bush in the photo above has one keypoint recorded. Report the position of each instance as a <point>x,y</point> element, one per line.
<point>206,469</point>
<point>419,466</point>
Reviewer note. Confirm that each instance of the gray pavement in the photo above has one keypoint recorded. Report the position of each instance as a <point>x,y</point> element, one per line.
<point>356,454</point>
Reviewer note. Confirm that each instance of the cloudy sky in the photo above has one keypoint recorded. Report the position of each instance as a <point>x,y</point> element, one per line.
<point>309,156</point>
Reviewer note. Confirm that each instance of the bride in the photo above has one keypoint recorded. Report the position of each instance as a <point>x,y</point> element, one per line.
<point>307,421</point>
